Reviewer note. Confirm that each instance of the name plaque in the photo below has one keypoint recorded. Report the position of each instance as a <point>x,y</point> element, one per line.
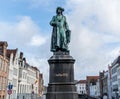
<point>61,75</point>
<point>61,53</point>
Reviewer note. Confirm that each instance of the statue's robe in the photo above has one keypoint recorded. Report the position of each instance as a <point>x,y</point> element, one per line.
<point>60,34</point>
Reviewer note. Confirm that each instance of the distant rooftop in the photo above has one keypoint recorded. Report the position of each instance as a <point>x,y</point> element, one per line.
<point>117,60</point>
<point>3,42</point>
<point>10,51</point>
<point>92,77</point>
<point>81,82</point>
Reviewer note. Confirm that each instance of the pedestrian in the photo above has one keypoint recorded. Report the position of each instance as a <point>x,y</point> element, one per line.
<point>105,96</point>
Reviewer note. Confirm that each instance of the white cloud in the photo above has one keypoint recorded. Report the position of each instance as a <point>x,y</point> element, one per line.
<point>37,40</point>
<point>95,34</point>
<point>106,13</point>
<point>22,32</point>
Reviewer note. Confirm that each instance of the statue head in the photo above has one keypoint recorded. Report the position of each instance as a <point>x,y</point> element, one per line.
<point>59,10</point>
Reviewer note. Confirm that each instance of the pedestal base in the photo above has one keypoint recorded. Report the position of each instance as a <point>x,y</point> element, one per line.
<point>61,81</point>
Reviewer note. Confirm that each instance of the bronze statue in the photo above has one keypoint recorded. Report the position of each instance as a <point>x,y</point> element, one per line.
<point>61,33</point>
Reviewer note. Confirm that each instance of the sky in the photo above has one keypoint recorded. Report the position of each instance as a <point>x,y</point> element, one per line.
<point>95,26</point>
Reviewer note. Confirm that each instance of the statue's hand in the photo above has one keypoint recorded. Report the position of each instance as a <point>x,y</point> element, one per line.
<point>54,24</point>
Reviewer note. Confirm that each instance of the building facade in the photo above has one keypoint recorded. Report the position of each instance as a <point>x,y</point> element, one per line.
<point>95,89</point>
<point>39,81</point>
<point>118,78</point>
<point>12,55</point>
<point>92,86</point>
<point>101,75</point>
<point>30,81</point>
<point>109,82</point>
<point>3,70</point>
<point>115,79</point>
<point>40,85</point>
<point>105,83</point>
<point>26,80</point>
<point>81,87</point>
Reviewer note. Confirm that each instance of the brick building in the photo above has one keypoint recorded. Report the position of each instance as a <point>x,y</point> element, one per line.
<point>39,81</point>
<point>92,86</point>
<point>40,84</point>
<point>3,70</point>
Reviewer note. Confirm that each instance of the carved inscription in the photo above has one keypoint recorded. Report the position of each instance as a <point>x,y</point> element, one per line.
<point>61,53</point>
<point>62,75</point>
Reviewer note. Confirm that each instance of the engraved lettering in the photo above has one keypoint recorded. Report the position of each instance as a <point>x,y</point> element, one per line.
<point>62,75</point>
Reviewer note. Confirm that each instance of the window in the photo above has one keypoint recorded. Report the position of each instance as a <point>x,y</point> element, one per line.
<point>20,88</point>
<point>0,86</point>
<point>16,61</point>
<point>3,66</point>
<point>119,82</point>
<point>1,50</point>
<point>114,70</point>
<point>23,75</point>
<point>3,97</point>
<point>6,66</point>
<point>118,71</point>
<point>15,71</point>
<point>14,82</point>
<point>114,78</point>
<point>0,63</point>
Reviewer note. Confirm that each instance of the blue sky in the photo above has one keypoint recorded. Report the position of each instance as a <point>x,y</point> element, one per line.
<point>95,42</point>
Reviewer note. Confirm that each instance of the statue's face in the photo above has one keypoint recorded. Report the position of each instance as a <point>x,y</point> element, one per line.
<point>59,11</point>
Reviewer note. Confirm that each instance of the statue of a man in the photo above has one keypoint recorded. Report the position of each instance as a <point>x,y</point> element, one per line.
<point>61,33</point>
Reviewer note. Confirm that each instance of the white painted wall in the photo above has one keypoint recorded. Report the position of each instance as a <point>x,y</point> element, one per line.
<point>13,76</point>
<point>81,88</point>
<point>27,77</point>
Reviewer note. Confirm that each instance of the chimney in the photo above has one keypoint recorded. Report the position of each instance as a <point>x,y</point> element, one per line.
<point>3,48</point>
<point>21,55</point>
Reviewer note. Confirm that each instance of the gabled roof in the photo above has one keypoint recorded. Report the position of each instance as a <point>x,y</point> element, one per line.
<point>81,82</point>
<point>35,68</point>
<point>27,65</point>
<point>117,60</point>
<point>92,77</point>
<point>3,42</point>
<point>10,51</point>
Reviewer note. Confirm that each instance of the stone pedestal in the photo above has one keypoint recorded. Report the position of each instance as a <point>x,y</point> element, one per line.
<point>61,78</point>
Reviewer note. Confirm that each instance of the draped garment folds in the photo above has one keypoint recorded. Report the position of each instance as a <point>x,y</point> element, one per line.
<point>60,33</point>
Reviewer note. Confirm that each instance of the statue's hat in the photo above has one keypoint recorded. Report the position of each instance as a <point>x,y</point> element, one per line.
<point>60,8</point>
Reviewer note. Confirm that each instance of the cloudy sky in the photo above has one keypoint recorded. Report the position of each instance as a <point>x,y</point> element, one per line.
<point>95,26</point>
